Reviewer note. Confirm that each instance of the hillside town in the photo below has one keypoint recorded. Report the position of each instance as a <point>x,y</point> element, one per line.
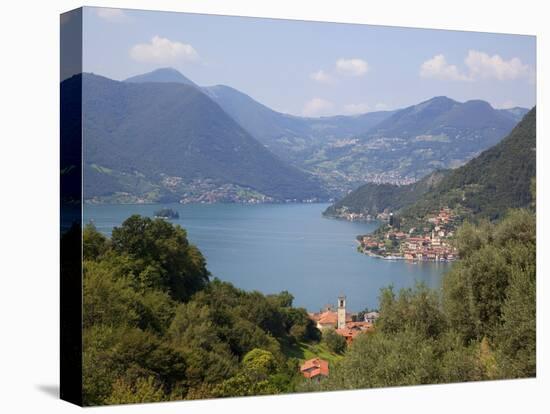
<point>346,324</point>
<point>431,242</point>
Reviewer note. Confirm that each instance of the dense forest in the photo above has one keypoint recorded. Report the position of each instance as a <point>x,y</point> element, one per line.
<point>157,328</point>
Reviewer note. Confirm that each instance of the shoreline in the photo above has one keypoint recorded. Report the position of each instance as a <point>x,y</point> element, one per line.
<point>93,203</point>
<point>396,258</point>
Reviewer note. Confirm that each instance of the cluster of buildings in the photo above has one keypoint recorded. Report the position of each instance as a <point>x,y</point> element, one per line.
<point>344,324</point>
<point>432,243</point>
<point>431,248</point>
<point>346,214</point>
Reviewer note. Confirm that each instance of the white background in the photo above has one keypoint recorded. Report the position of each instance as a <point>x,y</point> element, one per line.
<point>29,160</point>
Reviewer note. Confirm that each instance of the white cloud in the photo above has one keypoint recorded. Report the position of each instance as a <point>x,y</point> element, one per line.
<point>356,108</point>
<point>381,106</point>
<point>317,107</point>
<point>111,15</point>
<point>352,67</point>
<point>321,76</point>
<point>163,51</point>
<point>481,65</point>
<point>438,68</point>
<point>478,65</point>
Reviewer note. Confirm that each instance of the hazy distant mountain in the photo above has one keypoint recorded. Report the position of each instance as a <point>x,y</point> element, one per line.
<point>441,115</point>
<point>291,137</point>
<point>496,180</point>
<point>347,151</point>
<point>516,113</point>
<point>435,134</point>
<point>374,198</point>
<point>162,75</point>
<point>153,139</point>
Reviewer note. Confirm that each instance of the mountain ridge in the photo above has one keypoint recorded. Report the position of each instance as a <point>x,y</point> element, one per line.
<point>162,75</point>
<point>497,179</point>
<point>191,138</point>
<point>436,134</point>
<point>344,152</point>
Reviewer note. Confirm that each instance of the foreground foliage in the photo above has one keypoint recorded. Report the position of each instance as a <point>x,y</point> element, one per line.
<point>482,325</point>
<point>157,328</point>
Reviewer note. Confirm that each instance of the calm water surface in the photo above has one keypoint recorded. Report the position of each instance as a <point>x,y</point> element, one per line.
<point>275,247</point>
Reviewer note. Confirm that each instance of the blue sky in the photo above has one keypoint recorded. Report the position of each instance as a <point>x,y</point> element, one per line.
<point>311,68</point>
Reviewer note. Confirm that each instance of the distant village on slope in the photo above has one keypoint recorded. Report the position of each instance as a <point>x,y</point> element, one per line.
<point>426,240</point>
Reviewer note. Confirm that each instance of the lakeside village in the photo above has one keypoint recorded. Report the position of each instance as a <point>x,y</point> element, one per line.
<point>348,325</point>
<point>429,240</point>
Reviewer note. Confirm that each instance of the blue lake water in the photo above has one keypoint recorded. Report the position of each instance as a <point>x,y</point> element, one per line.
<point>275,247</point>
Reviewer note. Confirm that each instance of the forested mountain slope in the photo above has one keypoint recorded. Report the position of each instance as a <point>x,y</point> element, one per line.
<point>496,180</point>
<point>153,137</point>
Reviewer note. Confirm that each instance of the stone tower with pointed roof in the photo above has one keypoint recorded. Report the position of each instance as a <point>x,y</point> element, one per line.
<point>341,312</point>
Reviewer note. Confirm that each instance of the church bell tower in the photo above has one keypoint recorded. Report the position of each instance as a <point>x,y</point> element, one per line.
<point>341,312</point>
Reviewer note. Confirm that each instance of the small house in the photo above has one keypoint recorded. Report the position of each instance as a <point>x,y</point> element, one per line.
<point>315,368</point>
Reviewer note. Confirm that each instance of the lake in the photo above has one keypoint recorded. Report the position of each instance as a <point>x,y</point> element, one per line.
<point>276,247</point>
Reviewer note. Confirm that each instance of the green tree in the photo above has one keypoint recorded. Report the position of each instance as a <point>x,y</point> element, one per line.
<point>165,248</point>
<point>475,289</point>
<point>257,376</point>
<point>260,363</point>
<point>142,391</point>
<point>418,309</point>
<point>378,360</point>
<point>94,243</point>
<point>516,338</point>
<point>459,362</point>
<point>335,343</point>
<point>107,300</point>
<point>192,331</point>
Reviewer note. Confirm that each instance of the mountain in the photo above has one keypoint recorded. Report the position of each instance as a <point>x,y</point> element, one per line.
<point>436,134</point>
<point>386,146</point>
<point>153,140</point>
<point>496,180</point>
<point>440,115</point>
<point>291,137</point>
<point>517,113</point>
<point>371,198</point>
<point>344,152</point>
<point>164,75</point>
<point>268,126</point>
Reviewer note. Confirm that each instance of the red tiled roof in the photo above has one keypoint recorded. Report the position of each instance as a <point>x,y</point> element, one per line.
<point>346,331</point>
<point>359,325</point>
<point>314,367</point>
<point>329,317</point>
